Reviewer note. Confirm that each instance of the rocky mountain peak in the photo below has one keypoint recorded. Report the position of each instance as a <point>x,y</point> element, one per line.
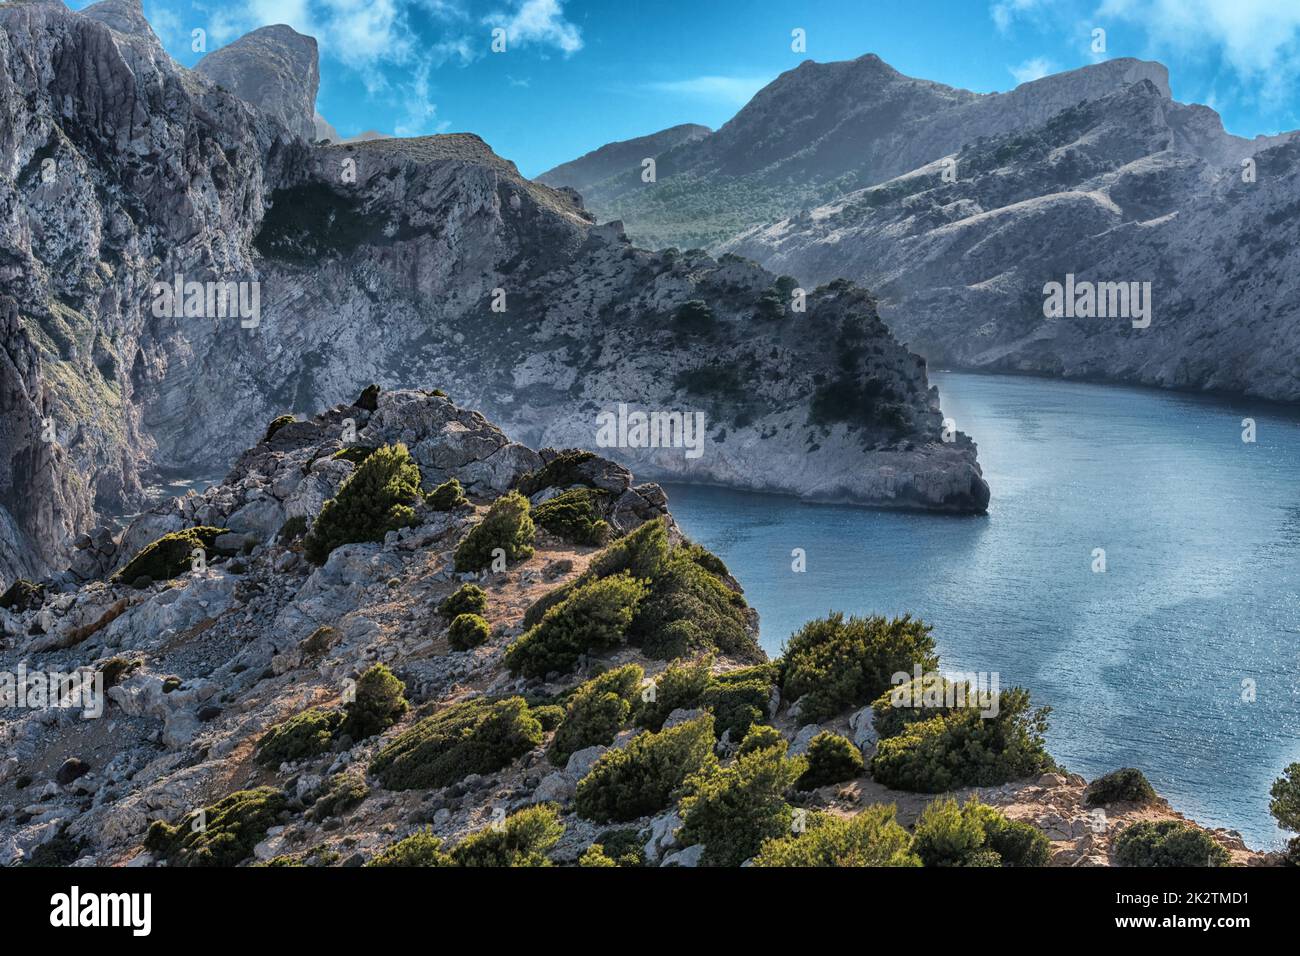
<point>275,68</point>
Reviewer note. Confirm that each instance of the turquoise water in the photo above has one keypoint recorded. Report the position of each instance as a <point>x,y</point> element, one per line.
<point>1144,664</point>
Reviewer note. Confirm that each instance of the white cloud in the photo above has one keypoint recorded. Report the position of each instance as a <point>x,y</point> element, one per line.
<point>1006,12</point>
<point>1033,69</point>
<point>420,111</point>
<point>541,22</point>
<point>731,90</point>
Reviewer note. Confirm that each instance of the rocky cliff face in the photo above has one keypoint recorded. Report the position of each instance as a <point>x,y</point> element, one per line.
<point>391,261</point>
<point>274,68</point>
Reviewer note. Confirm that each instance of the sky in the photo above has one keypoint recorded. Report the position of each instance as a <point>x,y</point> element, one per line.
<point>576,74</point>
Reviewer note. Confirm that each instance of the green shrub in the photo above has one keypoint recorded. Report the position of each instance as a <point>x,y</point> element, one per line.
<point>378,704</point>
<point>760,737</point>
<point>689,610</point>
<point>620,847</point>
<point>276,424</point>
<point>418,849</point>
<point>303,735</point>
<point>548,715</point>
<point>678,686</point>
<point>871,838</point>
<point>737,705</point>
<point>232,827</point>
<point>1284,804</point>
<point>466,631</point>
<point>169,556</point>
<point>694,318</point>
<point>507,526</point>
<point>593,618</point>
<point>643,777</point>
<point>976,835</point>
<point>833,664</point>
<point>376,498</point>
<point>115,668</point>
<point>1127,784</point>
<point>910,703</point>
<point>1167,843</point>
<point>475,736</point>
<point>293,529</point>
<point>369,398</point>
<point>732,810</point>
<point>319,641</point>
<point>594,856</point>
<point>447,496</point>
<point>575,516</point>
<point>22,595</point>
<point>596,712</point>
<point>345,791</point>
<point>963,749</point>
<point>831,759</point>
<point>523,839</point>
<point>560,472</point>
<point>354,453</point>
<point>467,599</point>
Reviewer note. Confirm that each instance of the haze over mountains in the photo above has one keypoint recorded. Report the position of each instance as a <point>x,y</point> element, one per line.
<point>426,262</point>
<point>838,170</point>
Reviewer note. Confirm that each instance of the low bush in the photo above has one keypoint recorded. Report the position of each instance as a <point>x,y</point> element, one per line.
<point>292,529</point>
<point>681,685</point>
<point>466,631</point>
<point>467,599</point>
<point>507,526</point>
<point>523,839</point>
<point>303,735</point>
<point>737,705</point>
<point>318,643</point>
<point>418,849</point>
<point>345,791</point>
<point>689,611</point>
<point>369,398</point>
<point>595,617</point>
<point>169,556</point>
<point>575,516</point>
<point>447,496</point>
<point>760,737</point>
<point>22,595</point>
<point>910,703</point>
<point>560,472</point>
<point>475,736</point>
<point>833,664</point>
<point>276,424</point>
<point>831,759</point>
<point>976,834</point>
<point>232,827</point>
<point>645,776</point>
<point>1167,843</point>
<point>548,715</point>
<point>353,453</point>
<point>1127,785</point>
<point>870,838</point>
<point>964,749</point>
<point>732,810</point>
<point>596,712</point>
<point>378,497</point>
<point>1284,802</point>
<point>379,703</point>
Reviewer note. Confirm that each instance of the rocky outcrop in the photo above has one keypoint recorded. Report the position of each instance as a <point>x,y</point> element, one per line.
<point>390,261</point>
<point>276,69</point>
<point>614,158</point>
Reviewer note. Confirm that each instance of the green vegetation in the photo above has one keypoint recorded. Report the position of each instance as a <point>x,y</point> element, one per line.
<point>694,317</point>
<point>596,712</point>
<point>115,668</point>
<point>560,472</point>
<point>466,631</point>
<point>169,556</point>
<point>466,599</point>
<point>507,526</point>
<point>832,664</point>
<point>523,839</point>
<point>293,529</point>
<point>831,759</point>
<point>917,700</point>
<point>618,847</point>
<point>1127,785</point>
<point>231,828</point>
<point>963,749</point>
<point>303,735</point>
<point>316,644</point>
<point>574,515</point>
<point>739,699</point>
<point>310,222</point>
<point>276,424</point>
<point>732,810</point>
<point>645,776</point>
<point>476,736</point>
<point>447,496</point>
<point>871,838</point>
<point>368,400</point>
<point>354,453</point>
<point>550,716</point>
<point>1167,843</point>
<point>378,704</point>
<point>22,595</point>
<point>1284,805</point>
<point>376,498</point>
<point>976,835</point>
<point>345,791</point>
<point>681,685</point>
<point>594,617</point>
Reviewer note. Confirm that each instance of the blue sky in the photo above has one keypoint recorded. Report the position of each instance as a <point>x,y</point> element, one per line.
<point>579,73</point>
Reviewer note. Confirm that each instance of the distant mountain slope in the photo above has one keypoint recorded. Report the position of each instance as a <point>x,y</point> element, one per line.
<point>276,69</point>
<point>614,158</point>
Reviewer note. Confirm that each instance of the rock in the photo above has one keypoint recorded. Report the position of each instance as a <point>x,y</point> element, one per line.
<point>681,715</point>
<point>663,835</point>
<point>1051,781</point>
<point>581,761</point>
<point>863,729</point>
<point>799,746</point>
<point>687,857</point>
<point>71,769</point>
<point>274,68</point>
<point>554,788</point>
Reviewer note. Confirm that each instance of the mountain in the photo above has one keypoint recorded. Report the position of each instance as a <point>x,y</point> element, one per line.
<point>276,69</point>
<point>613,158</point>
<point>389,261</point>
<point>376,707</point>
